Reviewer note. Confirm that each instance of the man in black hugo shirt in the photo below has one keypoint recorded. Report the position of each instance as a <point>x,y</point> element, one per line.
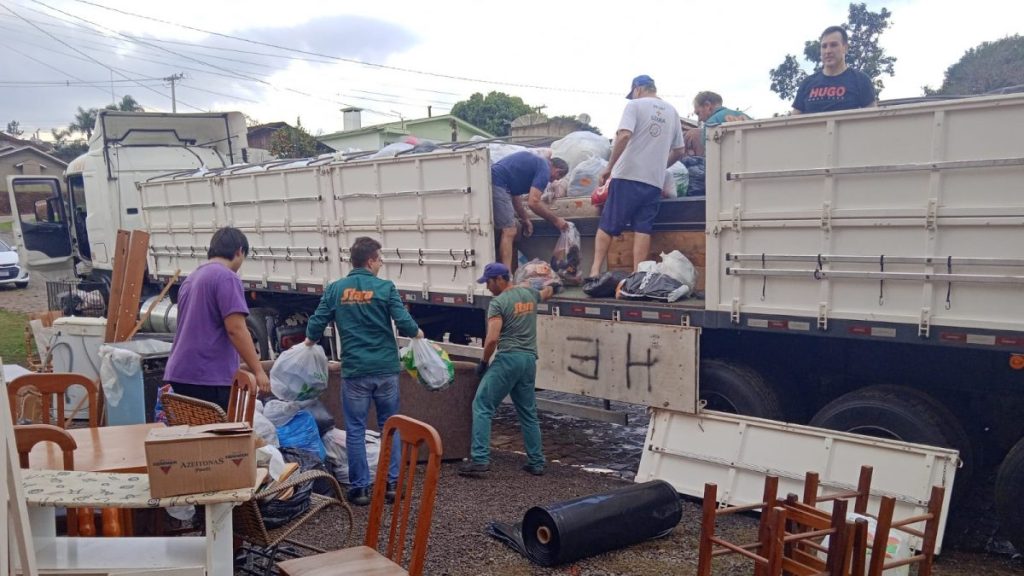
<point>835,86</point>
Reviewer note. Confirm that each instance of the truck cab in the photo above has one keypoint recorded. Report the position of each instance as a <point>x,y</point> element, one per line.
<point>72,229</point>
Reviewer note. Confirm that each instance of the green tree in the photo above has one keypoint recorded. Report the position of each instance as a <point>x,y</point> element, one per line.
<point>984,68</point>
<point>493,113</point>
<point>65,148</point>
<point>289,142</point>
<point>864,28</point>
<point>84,122</point>
<point>14,128</point>
<point>127,104</point>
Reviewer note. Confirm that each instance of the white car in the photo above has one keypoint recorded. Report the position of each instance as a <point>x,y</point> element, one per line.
<point>11,272</point>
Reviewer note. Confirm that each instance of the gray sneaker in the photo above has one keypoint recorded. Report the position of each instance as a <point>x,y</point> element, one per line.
<point>474,469</point>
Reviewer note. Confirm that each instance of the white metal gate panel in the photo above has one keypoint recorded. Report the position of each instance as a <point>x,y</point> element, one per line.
<point>737,452</point>
<point>647,364</point>
<point>431,213</point>
<point>911,214</point>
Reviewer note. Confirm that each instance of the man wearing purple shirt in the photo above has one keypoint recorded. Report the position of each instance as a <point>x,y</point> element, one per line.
<point>211,332</point>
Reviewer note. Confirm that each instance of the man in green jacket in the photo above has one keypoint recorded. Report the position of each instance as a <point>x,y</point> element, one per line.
<point>363,308</point>
<point>512,331</point>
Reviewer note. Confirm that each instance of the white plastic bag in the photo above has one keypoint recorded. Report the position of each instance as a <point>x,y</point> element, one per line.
<point>299,373</point>
<point>279,412</point>
<point>566,258</point>
<point>431,368</point>
<point>337,452</point>
<point>678,266</point>
<point>584,177</point>
<point>578,146</point>
<point>263,427</point>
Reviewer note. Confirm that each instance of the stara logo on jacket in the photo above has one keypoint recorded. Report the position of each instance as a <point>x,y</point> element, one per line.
<point>353,296</point>
<point>523,308</point>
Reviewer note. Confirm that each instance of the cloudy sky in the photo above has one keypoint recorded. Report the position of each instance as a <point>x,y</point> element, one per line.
<point>394,58</point>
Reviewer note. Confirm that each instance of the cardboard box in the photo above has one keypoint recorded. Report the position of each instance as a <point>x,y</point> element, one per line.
<point>198,459</point>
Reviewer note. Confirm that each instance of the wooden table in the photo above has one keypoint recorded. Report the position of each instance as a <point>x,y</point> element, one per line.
<point>104,449</point>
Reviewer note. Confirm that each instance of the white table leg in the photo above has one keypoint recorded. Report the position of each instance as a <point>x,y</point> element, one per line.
<point>219,535</point>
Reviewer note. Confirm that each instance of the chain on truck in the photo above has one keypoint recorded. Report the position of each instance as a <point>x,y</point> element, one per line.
<point>861,271</point>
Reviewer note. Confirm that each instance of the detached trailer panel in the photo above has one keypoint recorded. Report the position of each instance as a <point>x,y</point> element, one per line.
<point>911,215</point>
<point>431,213</point>
<point>737,452</point>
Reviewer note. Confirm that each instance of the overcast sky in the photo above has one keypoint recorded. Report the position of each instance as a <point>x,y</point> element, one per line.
<point>571,57</point>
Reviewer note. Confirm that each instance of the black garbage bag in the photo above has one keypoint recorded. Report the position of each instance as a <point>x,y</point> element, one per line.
<point>277,512</point>
<point>568,531</point>
<point>649,286</point>
<point>310,461</point>
<point>324,420</point>
<point>604,285</point>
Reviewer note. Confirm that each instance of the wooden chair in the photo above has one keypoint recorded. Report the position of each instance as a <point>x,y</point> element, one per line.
<point>766,552</point>
<point>366,559</point>
<point>242,403</point>
<point>885,525</point>
<point>195,412</point>
<point>27,436</point>
<point>53,387</point>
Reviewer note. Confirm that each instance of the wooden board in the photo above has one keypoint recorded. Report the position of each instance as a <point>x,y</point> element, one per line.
<point>648,364</point>
<point>131,292</point>
<point>690,243</point>
<point>116,283</point>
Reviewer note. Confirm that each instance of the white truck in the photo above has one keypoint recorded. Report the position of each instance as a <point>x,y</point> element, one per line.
<point>864,270</point>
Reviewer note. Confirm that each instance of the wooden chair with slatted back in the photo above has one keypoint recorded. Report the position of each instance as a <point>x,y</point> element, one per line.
<point>53,387</point>
<point>242,403</point>
<point>186,410</point>
<point>366,559</point>
<point>28,435</point>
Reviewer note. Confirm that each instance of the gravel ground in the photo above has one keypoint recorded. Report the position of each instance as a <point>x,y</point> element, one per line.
<point>459,545</point>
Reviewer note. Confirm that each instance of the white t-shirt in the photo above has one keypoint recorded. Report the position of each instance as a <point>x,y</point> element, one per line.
<point>656,130</point>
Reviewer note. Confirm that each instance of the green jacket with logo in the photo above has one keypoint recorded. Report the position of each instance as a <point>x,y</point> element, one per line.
<point>363,307</point>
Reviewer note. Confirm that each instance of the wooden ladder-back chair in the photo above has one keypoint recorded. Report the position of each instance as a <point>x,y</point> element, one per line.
<point>885,525</point>
<point>242,403</point>
<point>52,387</point>
<point>366,559</point>
<point>27,436</point>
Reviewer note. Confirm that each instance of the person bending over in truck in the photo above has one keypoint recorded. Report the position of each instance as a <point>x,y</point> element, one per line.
<point>649,140</point>
<point>836,86</point>
<point>708,107</point>
<point>517,175</point>
<point>363,308</point>
<point>507,368</point>
<point>211,333</point>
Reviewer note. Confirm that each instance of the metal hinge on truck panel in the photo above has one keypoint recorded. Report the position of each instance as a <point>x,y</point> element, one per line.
<point>426,292</point>
<point>734,314</point>
<point>736,217</point>
<point>826,216</point>
<point>470,292</point>
<point>931,218</point>
<point>925,324</point>
<point>616,315</point>
<point>822,315</point>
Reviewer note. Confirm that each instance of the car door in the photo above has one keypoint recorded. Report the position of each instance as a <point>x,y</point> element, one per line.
<point>41,229</point>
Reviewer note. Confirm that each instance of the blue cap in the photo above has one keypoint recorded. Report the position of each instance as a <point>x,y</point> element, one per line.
<point>493,270</point>
<point>641,80</point>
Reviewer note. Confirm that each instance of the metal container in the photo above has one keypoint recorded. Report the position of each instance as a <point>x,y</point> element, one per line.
<point>163,318</point>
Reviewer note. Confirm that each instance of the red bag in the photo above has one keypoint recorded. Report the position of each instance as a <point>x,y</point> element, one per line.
<point>600,195</point>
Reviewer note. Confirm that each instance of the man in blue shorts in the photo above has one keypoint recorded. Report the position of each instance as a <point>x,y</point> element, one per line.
<point>836,86</point>
<point>514,176</point>
<point>649,140</point>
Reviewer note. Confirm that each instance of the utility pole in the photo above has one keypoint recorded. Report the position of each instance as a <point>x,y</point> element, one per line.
<point>172,79</point>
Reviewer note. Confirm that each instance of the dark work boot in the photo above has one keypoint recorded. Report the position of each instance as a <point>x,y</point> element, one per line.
<point>535,470</point>
<point>474,469</point>
<point>389,492</point>
<point>359,496</point>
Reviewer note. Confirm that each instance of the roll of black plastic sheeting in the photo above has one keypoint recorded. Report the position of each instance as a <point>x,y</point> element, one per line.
<point>568,531</point>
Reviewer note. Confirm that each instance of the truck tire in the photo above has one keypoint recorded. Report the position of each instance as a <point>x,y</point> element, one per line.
<point>256,321</point>
<point>899,413</point>
<point>736,389</point>
<point>1010,495</point>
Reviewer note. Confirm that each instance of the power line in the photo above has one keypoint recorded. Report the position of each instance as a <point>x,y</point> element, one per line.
<point>34,59</point>
<point>95,61</point>
<point>342,59</point>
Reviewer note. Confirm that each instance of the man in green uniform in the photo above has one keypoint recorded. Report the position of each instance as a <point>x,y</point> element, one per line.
<point>512,331</point>
<point>363,307</point>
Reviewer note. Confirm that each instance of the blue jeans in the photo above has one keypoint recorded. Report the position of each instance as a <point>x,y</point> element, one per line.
<point>356,394</point>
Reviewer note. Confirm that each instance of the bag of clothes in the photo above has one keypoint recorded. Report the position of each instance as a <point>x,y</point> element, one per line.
<point>565,260</point>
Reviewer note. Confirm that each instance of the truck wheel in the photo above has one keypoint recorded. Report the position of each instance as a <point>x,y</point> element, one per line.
<point>1010,495</point>
<point>899,413</point>
<point>737,389</point>
<point>256,321</point>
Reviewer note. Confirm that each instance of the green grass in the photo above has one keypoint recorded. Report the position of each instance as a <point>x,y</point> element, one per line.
<point>7,226</point>
<point>12,337</point>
